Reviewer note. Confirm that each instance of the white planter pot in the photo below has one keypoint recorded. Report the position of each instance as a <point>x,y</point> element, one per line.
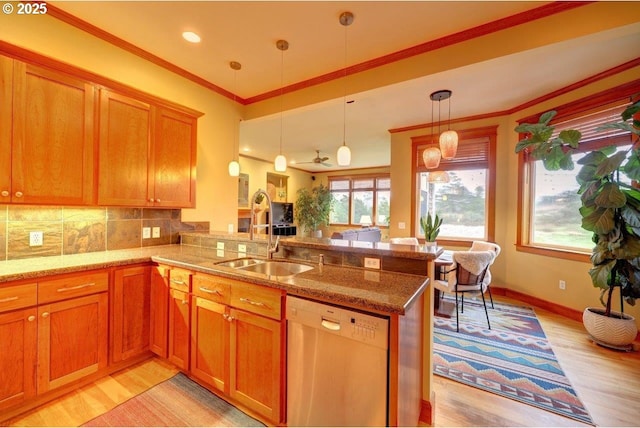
<point>317,233</point>
<point>430,244</point>
<point>616,331</point>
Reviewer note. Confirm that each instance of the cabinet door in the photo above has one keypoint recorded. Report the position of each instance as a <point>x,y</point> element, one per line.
<point>53,137</point>
<point>18,340</point>
<point>179,334</point>
<point>174,160</point>
<point>257,360</point>
<point>130,306</point>
<point>6,103</point>
<point>209,342</point>
<point>125,126</point>
<point>72,340</point>
<point>159,310</point>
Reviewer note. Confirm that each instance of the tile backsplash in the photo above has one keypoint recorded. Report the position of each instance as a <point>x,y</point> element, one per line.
<point>74,230</point>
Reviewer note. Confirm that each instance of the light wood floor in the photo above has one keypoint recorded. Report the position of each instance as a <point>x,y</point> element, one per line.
<point>607,382</point>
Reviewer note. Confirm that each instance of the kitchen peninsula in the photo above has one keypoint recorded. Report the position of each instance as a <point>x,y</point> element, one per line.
<point>339,280</point>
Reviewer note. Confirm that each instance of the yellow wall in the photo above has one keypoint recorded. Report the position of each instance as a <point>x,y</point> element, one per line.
<point>530,274</point>
<point>258,169</point>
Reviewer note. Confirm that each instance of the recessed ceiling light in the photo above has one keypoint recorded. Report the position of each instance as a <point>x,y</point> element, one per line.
<point>190,36</point>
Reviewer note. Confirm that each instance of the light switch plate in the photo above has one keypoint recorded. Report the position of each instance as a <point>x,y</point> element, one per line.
<point>35,239</point>
<point>242,248</point>
<point>156,232</point>
<point>146,232</point>
<point>220,245</point>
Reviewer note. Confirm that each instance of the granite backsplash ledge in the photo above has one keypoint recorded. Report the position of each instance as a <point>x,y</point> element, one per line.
<point>77,230</point>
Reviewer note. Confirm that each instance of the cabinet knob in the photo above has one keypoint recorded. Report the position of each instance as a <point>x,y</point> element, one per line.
<point>4,193</point>
<point>45,314</point>
<point>228,317</point>
<point>18,194</point>
<point>151,200</point>
<point>185,302</point>
<point>158,200</point>
<point>31,318</point>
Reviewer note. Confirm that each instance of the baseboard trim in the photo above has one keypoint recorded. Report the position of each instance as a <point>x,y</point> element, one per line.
<point>428,410</point>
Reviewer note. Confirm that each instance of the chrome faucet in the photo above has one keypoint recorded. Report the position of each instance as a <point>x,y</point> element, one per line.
<point>272,247</point>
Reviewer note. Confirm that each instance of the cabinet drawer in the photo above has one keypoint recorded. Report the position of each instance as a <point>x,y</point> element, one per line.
<point>180,279</point>
<point>257,299</point>
<point>212,288</point>
<point>18,296</point>
<point>72,286</point>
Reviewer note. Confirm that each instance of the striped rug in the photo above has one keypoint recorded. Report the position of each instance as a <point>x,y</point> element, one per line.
<point>176,402</point>
<point>513,359</point>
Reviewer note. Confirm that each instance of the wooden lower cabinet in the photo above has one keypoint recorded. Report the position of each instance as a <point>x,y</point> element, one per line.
<point>179,334</point>
<point>18,336</point>
<point>257,363</point>
<point>130,312</point>
<point>72,340</point>
<point>159,310</point>
<point>210,342</point>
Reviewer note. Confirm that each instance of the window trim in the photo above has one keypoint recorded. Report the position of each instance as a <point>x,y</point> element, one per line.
<point>374,189</point>
<point>564,112</point>
<point>489,132</point>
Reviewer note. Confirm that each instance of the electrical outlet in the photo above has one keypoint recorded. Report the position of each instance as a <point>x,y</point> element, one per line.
<point>242,248</point>
<point>220,245</point>
<point>402,225</point>
<point>35,239</point>
<point>146,232</point>
<point>155,232</point>
<point>371,263</point>
<point>562,284</point>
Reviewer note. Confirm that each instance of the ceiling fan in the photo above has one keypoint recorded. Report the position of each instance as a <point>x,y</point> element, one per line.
<point>319,160</point>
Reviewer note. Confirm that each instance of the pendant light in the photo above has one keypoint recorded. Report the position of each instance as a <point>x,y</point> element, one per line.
<point>234,165</point>
<point>431,156</point>
<point>438,177</point>
<point>449,138</point>
<point>280,163</point>
<point>344,152</point>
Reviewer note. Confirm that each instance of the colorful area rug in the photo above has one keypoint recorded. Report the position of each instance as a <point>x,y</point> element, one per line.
<point>176,402</point>
<point>513,359</point>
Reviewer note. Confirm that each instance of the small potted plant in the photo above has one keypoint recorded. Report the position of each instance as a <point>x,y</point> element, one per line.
<point>312,209</point>
<point>431,227</point>
<point>610,209</point>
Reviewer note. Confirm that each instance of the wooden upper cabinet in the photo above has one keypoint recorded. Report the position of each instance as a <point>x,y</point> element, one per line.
<point>125,132</point>
<point>52,139</point>
<point>147,154</point>
<point>6,105</point>
<point>174,160</point>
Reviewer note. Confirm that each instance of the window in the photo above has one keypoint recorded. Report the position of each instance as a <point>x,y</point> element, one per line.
<point>551,218</point>
<point>465,199</point>
<point>360,200</point>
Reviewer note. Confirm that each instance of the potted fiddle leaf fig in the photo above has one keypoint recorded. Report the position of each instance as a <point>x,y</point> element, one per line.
<point>610,209</point>
<point>431,228</point>
<point>312,208</point>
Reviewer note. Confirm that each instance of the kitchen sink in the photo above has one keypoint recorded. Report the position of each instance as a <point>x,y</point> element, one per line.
<point>240,263</point>
<point>276,268</point>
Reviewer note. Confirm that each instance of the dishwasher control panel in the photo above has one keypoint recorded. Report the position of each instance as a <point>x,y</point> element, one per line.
<point>345,322</point>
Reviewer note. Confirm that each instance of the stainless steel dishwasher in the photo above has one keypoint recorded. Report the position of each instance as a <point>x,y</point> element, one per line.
<point>337,366</point>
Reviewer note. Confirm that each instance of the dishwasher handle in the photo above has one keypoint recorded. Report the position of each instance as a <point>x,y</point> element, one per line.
<point>330,325</point>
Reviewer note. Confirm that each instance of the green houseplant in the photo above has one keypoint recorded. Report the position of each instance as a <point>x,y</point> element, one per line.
<point>431,227</point>
<point>610,209</point>
<point>313,207</point>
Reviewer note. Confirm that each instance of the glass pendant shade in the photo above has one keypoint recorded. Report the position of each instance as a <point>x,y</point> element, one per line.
<point>431,158</point>
<point>438,177</point>
<point>344,156</point>
<point>234,168</point>
<point>448,144</point>
<point>280,163</point>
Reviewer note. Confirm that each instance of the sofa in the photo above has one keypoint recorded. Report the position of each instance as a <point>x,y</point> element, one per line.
<point>368,234</point>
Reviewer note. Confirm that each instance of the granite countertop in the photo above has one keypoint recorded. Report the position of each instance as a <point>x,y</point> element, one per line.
<point>382,291</point>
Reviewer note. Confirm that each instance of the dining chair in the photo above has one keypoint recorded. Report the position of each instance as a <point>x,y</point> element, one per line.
<point>487,246</point>
<point>467,276</point>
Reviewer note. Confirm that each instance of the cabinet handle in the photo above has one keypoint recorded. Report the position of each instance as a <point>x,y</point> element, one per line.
<point>18,194</point>
<point>75,287</point>
<point>8,299</point>
<point>4,193</point>
<point>45,314</point>
<point>252,302</point>
<point>209,291</point>
<point>179,282</point>
<point>31,318</point>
